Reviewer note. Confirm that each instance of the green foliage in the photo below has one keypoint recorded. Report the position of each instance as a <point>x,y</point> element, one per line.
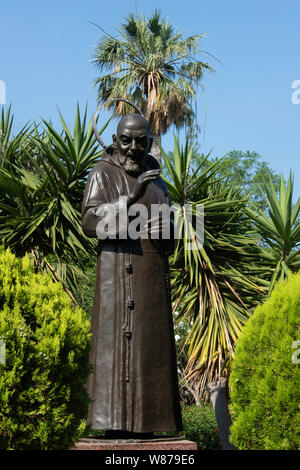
<point>41,190</point>
<point>154,66</point>
<point>200,426</point>
<point>43,402</point>
<point>241,169</point>
<point>217,284</point>
<point>85,289</point>
<point>265,378</point>
<point>246,171</point>
<point>279,230</point>
<point>12,148</point>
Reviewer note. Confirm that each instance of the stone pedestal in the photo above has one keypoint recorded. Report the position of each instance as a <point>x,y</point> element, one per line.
<point>167,444</point>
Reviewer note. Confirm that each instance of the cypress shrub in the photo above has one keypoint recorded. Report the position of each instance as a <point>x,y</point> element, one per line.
<point>44,361</point>
<point>265,376</point>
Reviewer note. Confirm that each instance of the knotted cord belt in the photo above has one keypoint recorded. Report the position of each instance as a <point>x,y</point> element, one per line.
<point>127,326</point>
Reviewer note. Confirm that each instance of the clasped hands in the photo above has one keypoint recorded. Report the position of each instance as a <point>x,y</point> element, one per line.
<point>155,226</point>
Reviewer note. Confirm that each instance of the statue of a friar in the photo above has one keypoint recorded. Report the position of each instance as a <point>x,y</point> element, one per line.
<point>133,386</point>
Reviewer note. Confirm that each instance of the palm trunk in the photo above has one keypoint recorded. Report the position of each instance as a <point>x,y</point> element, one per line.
<point>218,396</point>
<point>155,150</point>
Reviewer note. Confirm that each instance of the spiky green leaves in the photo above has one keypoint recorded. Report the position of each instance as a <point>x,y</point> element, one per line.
<point>280,230</point>
<point>41,194</point>
<point>217,284</point>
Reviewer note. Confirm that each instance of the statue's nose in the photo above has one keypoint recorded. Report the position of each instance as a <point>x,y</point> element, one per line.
<point>133,144</point>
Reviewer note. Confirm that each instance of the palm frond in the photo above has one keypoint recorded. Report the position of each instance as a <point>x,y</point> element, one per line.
<point>150,56</point>
<point>216,284</point>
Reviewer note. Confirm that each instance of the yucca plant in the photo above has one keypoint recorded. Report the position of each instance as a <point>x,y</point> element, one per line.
<point>279,229</point>
<point>216,285</point>
<point>41,195</point>
<point>12,147</point>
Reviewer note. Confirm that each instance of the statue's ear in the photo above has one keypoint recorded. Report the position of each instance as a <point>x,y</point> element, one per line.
<point>114,138</point>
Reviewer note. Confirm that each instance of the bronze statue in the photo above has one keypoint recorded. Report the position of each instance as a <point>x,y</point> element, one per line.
<point>133,385</point>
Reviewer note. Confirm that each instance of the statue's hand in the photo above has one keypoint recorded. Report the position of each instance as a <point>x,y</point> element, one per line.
<point>158,226</point>
<point>141,184</point>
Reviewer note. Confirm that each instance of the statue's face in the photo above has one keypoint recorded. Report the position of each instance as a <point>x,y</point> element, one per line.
<point>132,143</point>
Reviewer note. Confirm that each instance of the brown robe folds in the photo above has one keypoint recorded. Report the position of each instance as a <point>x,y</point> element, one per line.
<point>134,384</point>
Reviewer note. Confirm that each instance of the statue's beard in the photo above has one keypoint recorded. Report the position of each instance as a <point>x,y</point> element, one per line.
<point>131,166</point>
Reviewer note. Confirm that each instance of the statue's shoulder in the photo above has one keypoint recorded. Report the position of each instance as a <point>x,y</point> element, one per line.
<point>105,165</point>
<point>100,166</point>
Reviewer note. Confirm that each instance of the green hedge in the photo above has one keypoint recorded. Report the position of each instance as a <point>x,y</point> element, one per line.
<point>265,376</point>
<point>200,426</point>
<point>43,402</point>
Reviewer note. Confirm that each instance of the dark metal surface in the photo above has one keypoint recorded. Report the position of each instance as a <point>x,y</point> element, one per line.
<point>134,384</point>
<point>97,113</point>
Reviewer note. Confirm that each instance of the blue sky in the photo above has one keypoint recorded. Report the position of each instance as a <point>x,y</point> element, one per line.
<point>45,62</point>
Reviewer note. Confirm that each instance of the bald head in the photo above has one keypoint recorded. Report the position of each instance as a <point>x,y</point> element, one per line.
<point>132,143</point>
<point>133,121</point>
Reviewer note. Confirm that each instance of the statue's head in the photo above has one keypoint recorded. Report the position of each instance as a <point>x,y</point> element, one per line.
<point>132,143</point>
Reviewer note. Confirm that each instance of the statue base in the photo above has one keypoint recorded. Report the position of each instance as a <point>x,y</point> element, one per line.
<point>160,443</point>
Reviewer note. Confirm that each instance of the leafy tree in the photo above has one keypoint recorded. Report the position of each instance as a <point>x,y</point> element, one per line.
<point>244,170</point>
<point>155,67</point>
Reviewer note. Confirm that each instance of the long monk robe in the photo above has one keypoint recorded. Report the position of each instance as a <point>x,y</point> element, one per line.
<point>134,384</point>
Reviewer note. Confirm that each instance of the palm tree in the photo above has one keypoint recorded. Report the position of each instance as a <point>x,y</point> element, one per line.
<point>216,285</point>
<point>155,67</point>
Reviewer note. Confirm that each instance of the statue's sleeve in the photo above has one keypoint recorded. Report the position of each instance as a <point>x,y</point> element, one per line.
<point>170,244</point>
<point>104,211</point>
